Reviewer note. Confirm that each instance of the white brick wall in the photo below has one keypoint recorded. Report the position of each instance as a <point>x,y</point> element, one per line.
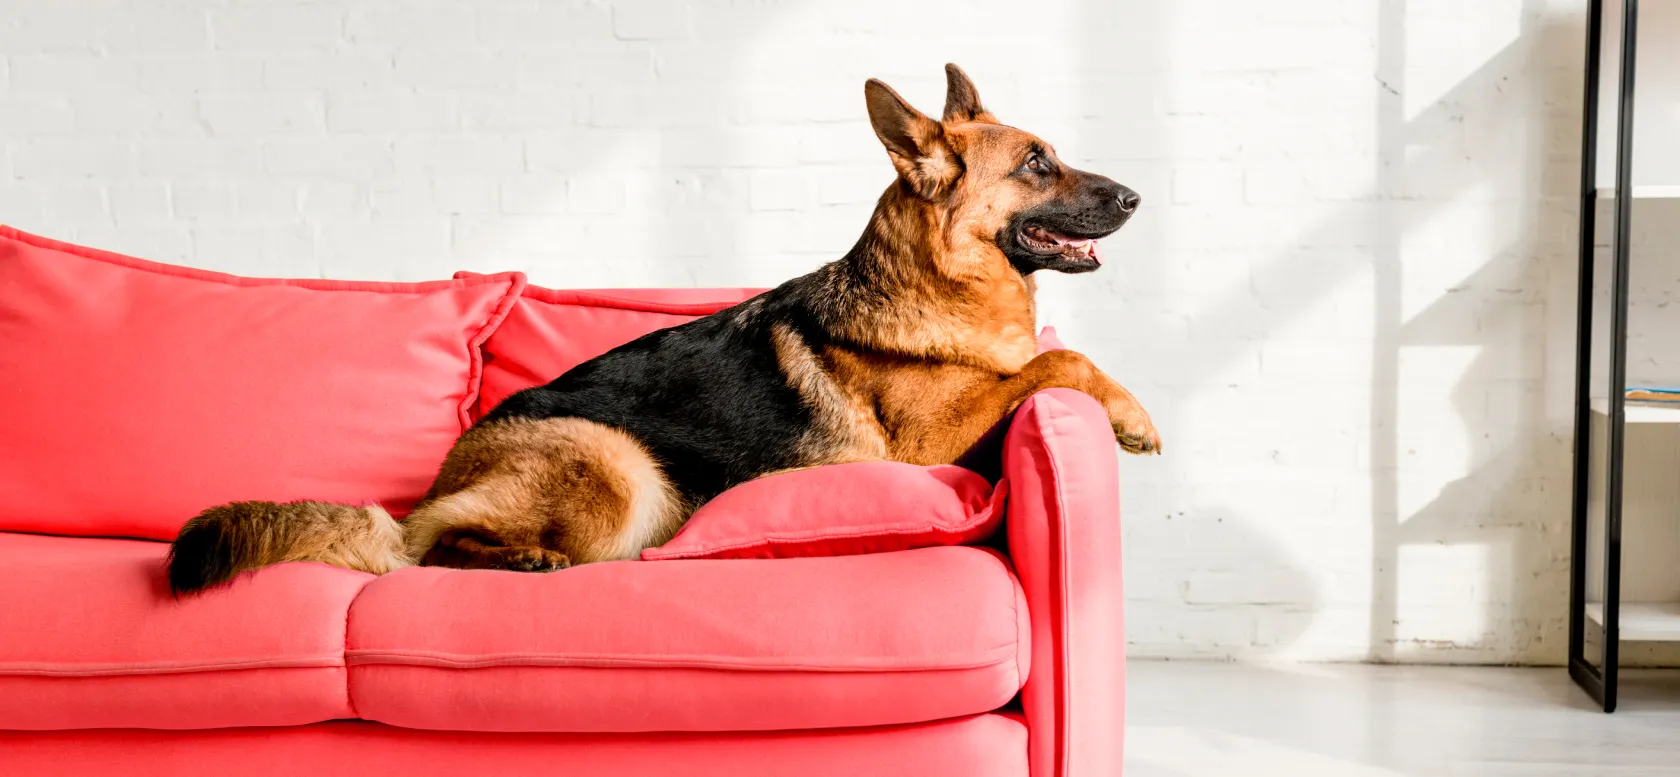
<point>1347,298</point>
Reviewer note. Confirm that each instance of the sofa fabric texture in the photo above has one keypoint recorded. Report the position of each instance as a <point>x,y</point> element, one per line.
<point>692,645</point>
<point>975,746</point>
<point>841,510</point>
<point>92,639</point>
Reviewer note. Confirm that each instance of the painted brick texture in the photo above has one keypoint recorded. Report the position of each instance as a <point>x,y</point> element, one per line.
<point>1347,298</point>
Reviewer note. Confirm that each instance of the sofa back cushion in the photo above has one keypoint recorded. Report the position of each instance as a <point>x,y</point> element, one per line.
<point>551,331</point>
<point>138,394</point>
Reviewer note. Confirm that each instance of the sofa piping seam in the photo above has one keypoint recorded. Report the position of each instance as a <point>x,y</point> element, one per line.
<point>24,669</point>
<point>439,660</point>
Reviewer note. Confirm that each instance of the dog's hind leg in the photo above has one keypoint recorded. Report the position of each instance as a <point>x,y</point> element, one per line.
<point>472,548</point>
<point>541,494</point>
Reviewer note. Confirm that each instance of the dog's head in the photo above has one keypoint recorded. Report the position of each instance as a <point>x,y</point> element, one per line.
<point>996,184</point>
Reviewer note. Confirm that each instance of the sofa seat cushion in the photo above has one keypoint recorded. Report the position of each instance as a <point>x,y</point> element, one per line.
<point>702,645</point>
<point>92,639</point>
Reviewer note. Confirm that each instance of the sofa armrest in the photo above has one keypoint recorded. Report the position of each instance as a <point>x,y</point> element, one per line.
<point>1064,537</point>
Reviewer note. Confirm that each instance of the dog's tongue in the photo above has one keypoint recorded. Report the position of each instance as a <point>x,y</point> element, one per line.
<point>1064,240</point>
<point>1072,247</point>
<point>1083,246</point>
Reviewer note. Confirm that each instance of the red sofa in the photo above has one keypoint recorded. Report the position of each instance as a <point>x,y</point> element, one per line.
<point>971,661</point>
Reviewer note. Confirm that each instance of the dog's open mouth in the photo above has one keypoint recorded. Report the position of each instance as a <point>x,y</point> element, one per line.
<point>1045,242</point>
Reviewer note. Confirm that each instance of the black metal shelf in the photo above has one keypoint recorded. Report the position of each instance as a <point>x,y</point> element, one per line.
<point>1600,681</point>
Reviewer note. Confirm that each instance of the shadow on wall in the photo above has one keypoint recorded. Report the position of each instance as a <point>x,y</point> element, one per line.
<point>1468,491</point>
<point>1468,488</point>
<point>1246,597</point>
<point>1202,579</point>
<point>1508,517</point>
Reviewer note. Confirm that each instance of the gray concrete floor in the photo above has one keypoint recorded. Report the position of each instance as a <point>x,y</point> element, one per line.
<point>1192,719</point>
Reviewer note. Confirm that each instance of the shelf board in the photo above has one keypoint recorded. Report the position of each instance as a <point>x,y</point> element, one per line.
<point>1643,621</point>
<point>1640,412</point>
<point>1643,192</point>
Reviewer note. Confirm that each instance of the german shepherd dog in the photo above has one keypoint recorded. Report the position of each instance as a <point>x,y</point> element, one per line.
<point>911,347</point>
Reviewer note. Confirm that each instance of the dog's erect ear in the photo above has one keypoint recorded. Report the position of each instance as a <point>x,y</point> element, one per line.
<point>962,100</point>
<point>902,129</point>
<point>915,142</point>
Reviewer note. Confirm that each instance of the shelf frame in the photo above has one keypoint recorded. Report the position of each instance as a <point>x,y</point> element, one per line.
<point>1600,681</point>
<point>1642,621</point>
<point>1642,192</point>
<point>1640,412</point>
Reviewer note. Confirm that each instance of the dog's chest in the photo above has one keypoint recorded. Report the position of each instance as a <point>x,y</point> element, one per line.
<point>995,340</point>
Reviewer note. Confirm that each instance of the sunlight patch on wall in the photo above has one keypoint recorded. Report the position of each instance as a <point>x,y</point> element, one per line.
<point>1448,41</point>
<point>1434,585</point>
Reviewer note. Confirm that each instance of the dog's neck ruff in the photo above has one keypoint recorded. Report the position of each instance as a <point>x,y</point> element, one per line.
<point>896,291</point>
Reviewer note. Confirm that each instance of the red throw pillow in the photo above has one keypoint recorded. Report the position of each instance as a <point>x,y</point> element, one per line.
<point>551,331</point>
<point>137,394</point>
<point>841,510</point>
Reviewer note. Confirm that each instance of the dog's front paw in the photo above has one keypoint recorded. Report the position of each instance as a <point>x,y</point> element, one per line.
<point>535,560</point>
<point>1136,433</point>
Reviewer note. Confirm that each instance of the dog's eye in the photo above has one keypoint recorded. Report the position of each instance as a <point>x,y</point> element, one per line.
<point>1035,163</point>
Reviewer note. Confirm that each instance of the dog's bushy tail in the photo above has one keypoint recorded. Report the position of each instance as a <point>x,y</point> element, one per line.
<point>223,541</point>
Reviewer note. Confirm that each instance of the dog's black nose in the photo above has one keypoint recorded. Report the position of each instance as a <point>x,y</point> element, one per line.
<point>1107,195</point>
<point>1129,200</point>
